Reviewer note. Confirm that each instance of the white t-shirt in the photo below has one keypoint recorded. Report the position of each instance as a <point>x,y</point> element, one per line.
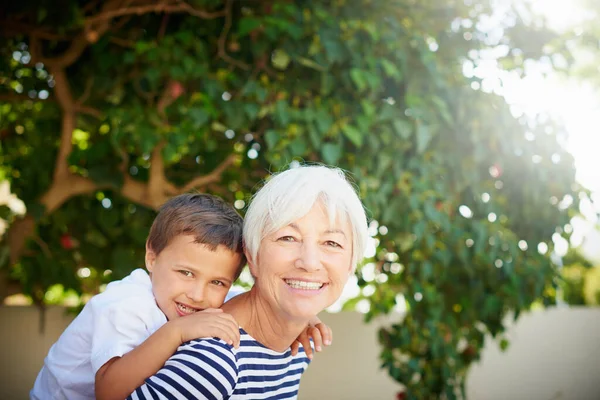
<point>110,325</point>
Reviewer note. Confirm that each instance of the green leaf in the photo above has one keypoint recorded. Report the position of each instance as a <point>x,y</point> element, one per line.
<point>298,146</point>
<point>353,134</point>
<point>403,128</point>
<point>307,62</point>
<point>368,107</point>
<point>280,59</point>
<point>272,138</point>
<point>423,137</point>
<point>199,116</point>
<point>331,152</point>
<point>324,121</point>
<point>247,25</point>
<point>426,270</point>
<point>251,110</point>
<point>104,174</point>
<point>282,112</point>
<point>358,78</point>
<point>390,69</point>
<point>333,48</point>
<point>443,109</point>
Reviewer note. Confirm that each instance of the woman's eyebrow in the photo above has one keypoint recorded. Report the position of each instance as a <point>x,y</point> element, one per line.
<point>295,227</point>
<point>336,231</point>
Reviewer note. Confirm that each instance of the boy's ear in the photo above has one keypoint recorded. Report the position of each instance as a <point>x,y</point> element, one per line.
<point>150,258</point>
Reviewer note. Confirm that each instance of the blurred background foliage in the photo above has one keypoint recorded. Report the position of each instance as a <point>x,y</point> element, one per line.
<point>110,107</point>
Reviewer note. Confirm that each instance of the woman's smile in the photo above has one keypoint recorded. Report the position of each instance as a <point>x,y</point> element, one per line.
<point>304,285</point>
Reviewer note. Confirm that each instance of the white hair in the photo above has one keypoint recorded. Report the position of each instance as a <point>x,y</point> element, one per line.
<point>291,194</point>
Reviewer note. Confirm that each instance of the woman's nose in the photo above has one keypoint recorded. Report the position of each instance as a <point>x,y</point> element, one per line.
<point>309,257</point>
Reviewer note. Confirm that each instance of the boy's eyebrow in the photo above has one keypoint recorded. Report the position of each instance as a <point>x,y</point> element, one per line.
<point>191,268</point>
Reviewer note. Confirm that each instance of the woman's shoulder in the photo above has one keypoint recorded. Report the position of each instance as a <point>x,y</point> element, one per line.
<point>213,351</point>
<point>254,355</point>
<point>250,351</point>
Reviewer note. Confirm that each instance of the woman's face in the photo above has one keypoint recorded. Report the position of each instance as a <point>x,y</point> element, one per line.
<point>302,268</point>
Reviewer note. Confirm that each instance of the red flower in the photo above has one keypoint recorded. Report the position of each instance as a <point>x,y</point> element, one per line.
<point>66,241</point>
<point>176,89</point>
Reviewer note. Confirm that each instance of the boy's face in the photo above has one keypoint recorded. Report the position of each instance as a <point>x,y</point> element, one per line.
<point>189,277</point>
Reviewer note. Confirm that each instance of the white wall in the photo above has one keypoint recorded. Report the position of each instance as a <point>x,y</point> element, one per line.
<point>554,354</point>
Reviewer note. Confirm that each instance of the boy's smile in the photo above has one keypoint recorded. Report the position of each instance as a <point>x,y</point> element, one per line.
<point>184,310</point>
<point>188,277</point>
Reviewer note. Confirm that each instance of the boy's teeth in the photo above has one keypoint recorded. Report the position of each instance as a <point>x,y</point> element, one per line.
<point>304,285</point>
<point>186,309</point>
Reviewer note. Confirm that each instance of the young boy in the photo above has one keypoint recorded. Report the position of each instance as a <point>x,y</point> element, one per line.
<point>125,334</point>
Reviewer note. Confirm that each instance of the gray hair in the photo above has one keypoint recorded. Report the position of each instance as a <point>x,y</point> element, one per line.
<point>291,194</point>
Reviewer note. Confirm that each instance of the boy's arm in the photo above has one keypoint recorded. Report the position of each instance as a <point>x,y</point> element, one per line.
<point>204,369</point>
<point>120,376</point>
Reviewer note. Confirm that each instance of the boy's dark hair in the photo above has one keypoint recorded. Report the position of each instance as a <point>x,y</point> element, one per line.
<point>211,221</point>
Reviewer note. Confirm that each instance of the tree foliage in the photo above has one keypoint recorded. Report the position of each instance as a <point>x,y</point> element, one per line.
<point>111,107</point>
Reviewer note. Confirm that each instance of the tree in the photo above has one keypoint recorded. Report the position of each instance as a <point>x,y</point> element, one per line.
<point>111,107</point>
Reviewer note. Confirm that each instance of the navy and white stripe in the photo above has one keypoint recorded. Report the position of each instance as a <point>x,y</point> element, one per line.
<point>211,369</point>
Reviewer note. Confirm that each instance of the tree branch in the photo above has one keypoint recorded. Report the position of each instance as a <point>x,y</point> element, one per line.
<point>87,91</point>
<point>130,44</point>
<point>212,177</point>
<point>67,187</point>
<point>221,52</point>
<point>91,111</point>
<point>137,192</point>
<point>11,27</point>
<point>66,103</point>
<point>162,7</point>
<point>156,179</point>
<point>16,97</point>
<point>77,46</point>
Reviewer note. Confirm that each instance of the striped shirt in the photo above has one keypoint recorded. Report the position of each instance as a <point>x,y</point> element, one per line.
<point>211,369</point>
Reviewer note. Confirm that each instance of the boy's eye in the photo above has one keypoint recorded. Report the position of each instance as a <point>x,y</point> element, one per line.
<point>185,273</point>
<point>218,283</point>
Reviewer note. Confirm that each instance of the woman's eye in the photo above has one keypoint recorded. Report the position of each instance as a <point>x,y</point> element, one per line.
<point>333,244</point>
<point>287,239</point>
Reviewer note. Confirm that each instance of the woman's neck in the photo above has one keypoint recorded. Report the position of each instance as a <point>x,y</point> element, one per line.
<point>261,322</point>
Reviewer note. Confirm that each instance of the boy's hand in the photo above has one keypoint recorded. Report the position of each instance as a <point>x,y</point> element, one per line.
<point>212,322</point>
<point>320,333</point>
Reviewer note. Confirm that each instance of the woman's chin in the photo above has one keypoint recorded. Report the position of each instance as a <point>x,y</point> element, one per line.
<point>303,309</point>
<point>304,303</point>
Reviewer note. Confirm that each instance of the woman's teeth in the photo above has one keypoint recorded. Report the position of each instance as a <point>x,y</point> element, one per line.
<point>185,310</point>
<point>304,285</point>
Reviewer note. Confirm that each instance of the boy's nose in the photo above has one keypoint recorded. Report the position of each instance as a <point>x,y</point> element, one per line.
<point>196,294</point>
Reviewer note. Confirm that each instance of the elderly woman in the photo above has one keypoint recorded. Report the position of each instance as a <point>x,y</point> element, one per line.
<point>304,233</point>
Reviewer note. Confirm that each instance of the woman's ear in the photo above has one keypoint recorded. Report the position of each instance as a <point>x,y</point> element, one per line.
<point>352,270</point>
<point>251,264</point>
<point>150,258</point>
